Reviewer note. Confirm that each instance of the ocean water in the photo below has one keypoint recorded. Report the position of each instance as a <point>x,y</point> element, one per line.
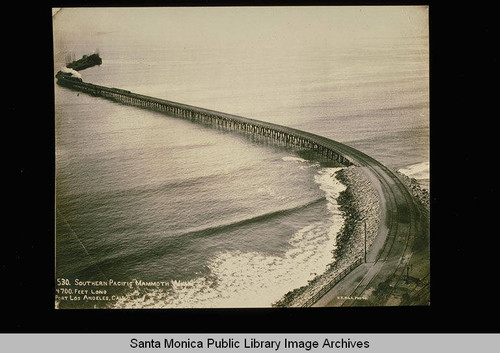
<point>221,219</point>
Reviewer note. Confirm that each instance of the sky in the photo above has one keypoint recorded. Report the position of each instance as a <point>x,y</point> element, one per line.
<point>256,25</point>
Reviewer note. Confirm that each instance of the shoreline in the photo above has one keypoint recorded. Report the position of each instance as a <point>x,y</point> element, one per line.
<point>358,203</point>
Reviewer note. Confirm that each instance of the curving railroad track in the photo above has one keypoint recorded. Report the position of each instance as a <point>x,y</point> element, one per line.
<point>397,267</point>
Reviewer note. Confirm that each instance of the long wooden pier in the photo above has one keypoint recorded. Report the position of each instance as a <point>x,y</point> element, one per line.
<point>325,147</point>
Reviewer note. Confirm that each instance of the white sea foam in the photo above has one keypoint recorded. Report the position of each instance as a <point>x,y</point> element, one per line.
<point>253,279</point>
<point>293,159</point>
<point>417,171</point>
<point>71,71</point>
<point>306,164</point>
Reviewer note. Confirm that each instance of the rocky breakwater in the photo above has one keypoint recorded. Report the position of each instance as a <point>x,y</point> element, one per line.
<point>359,204</point>
<point>419,192</point>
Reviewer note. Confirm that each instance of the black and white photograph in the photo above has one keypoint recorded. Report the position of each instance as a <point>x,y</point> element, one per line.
<point>241,157</point>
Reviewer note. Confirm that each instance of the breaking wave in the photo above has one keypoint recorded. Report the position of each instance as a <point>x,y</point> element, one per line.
<point>417,171</point>
<point>266,216</point>
<point>253,279</point>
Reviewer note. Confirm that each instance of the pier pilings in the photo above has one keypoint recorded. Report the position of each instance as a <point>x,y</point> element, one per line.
<point>326,148</point>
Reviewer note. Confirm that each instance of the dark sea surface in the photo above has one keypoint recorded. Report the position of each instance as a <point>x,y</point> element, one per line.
<point>224,219</point>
